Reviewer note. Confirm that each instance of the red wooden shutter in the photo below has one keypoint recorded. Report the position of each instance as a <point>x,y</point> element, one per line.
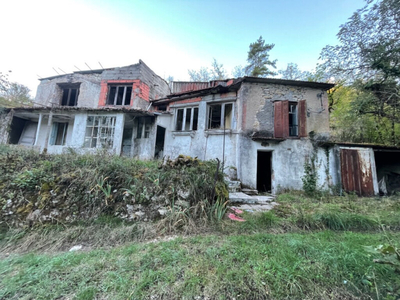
<point>281,119</point>
<point>302,118</point>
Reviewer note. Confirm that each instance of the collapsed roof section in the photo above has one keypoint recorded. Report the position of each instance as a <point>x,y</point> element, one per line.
<point>184,90</point>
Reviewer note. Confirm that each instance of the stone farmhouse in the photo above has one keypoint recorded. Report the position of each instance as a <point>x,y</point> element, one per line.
<point>263,130</point>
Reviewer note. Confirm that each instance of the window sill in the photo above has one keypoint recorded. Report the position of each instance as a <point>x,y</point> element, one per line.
<point>218,131</point>
<point>191,133</point>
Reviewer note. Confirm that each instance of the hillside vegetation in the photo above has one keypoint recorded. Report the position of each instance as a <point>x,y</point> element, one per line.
<point>38,188</point>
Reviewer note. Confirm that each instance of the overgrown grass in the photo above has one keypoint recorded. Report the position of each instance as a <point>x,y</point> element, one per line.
<point>322,265</point>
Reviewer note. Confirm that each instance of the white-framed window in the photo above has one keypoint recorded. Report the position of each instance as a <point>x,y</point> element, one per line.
<point>143,128</point>
<point>119,95</point>
<point>59,134</point>
<point>187,118</point>
<point>220,116</point>
<point>100,132</point>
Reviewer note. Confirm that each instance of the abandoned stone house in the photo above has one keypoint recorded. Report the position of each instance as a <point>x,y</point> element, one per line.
<point>264,130</point>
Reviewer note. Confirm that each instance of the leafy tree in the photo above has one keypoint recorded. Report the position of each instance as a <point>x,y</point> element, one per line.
<point>369,45</point>
<point>368,58</point>
<point>293,72</point>
<point>13,94</point>
<point>258,59</point>
<point>218,72</point>
<point>201,75</point>
<point>4,82</point>
<point>238,71</point>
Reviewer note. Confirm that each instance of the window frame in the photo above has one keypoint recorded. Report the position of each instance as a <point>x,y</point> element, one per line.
<point>294,119</point>
<point>192,122</point>
<point>124,95</point>
<point>143,128</point>
<point>67,90</point>
<point>55,133</point>
<point>99,144</point>
<point>281,119</point>
<point>222,117</point>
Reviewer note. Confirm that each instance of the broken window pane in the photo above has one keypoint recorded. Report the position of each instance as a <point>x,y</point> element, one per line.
<point>119,95</point>
<point>188,117</point>
<point>99,132</point>
<point>214,116</point>
<point>293,120</point>
<point>111,95</point>
<point>59,134</point>
<point>228,115</point>
<point>179,119</point>
<point>195,118</point>
<point>70,97</point>
<point>128,95</point>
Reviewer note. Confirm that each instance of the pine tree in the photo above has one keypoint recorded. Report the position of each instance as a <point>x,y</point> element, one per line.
<point>258,59</point>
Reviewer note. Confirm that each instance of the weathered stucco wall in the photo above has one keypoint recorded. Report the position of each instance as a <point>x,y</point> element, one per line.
<point>49,92</point>
<point>256,104</point>
<point>288,158</point>
<point>152,86</point>
<point>203,143</point>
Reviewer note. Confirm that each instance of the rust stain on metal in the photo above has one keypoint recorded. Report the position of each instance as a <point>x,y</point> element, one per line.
<point>356,172</point>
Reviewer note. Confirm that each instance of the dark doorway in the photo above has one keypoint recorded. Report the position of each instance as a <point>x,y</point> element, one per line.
<point>388,171</point>
<point>160,137</point>
<point>17,126</point>
<point>264,170</point>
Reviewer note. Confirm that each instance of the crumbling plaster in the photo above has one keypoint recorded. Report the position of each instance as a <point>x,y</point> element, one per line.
<point>288,158</point>
<point>202,143</point>
<point>256,103</point>
<point>49,93</point>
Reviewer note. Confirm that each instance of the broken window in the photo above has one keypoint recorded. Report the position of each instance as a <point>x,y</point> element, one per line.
<point>220,116</point>
<point>293,120</point>
<point>58,134</point>
<point>143,128</point>
<point>99,132</point>
<point>119,95</point>
<point>187,118</point>
<point>290,119</point>
<point>70,96</point>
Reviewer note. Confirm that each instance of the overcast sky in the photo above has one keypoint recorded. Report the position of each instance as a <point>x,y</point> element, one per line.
<point>170,36</point>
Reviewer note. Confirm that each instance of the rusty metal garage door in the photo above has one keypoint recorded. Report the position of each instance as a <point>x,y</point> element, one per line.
<point>356,172</point>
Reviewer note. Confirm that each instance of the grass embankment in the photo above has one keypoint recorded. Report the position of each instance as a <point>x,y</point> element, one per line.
<point>304,249</point>
<point>38,189</point>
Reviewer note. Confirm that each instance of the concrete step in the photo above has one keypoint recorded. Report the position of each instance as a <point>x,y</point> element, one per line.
<point>234,186</point>
<point>250,192</point>
<point>254,208</point>
<point>240,197</point>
